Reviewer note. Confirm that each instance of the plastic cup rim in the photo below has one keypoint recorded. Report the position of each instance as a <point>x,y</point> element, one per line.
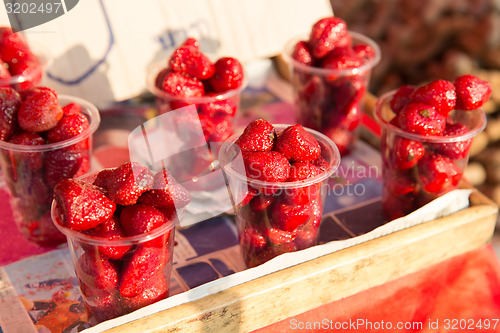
<point>431,138</point>
<point>287,51</point>
<point>125,241</point>
<point>156,67</point>
<point>332,168</point>
<point>94,121</point>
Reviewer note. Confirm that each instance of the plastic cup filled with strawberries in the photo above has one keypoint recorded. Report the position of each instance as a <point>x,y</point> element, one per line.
<point>190,77</point>
<point>120,226</point>
<point>44,138</point>
<point>277,176</point>
<point>22,65</point>
<point>427,133</point>
<point>330,72</point>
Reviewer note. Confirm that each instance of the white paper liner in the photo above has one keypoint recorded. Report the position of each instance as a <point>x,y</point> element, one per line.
<point>442,206</point>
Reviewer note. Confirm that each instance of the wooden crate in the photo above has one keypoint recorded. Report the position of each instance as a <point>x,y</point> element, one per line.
<point>303,287</point>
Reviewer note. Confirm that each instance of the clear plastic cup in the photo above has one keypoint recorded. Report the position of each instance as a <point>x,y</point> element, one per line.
<point>32,77</point>
<point>119,276</point>
<point>272,217</point>
<point>416,168</point>
<point>31,172</point>
<point>329,100</point>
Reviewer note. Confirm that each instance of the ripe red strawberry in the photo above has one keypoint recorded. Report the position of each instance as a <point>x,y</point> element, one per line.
<point>139,219</point>
<point>348,120</point>
<point>421,119</point>
<point>401,98</point>
<point>63,163</point>
<point>296,144</point>
<point>406,152</point>
<point>68,127</point>
<point>225,107</point>
<point>259,135</point>
<point>456,149</point>
<point>327,34</point>
<point>111,230</point>
<point>34,90</point>
<point>228,75</point>
<point>28,68</point>
<point>321,163</point>
<point>31,161</point>
<point>341,59</point>
<point>83,206</point>
<point>440,94</point>
<point>10,101</point>
<point>39,112</point>
<point>289,216</point>
<point>302,54</point>
<point>438,173</point>
<point>260,202</point>
<point>399,182</point>
<point>279,236</point>
<point>191,41</point>
<point>166,193</point>
<point>99,272</point>
<point>144,264</point>
<point>72,108</point>
<point>223,129</point>
<point>191,61</point>
<point>364,51</point>
<point>101,304</point>
<point>157,288</point>
<point>126,183</point>
<point>472,92</point>
<point>180,85</point>
<point>303,195</point>
<point>252,239</point>
<point>13,46</point>
<point>269,166</point>
<point>342,138</point>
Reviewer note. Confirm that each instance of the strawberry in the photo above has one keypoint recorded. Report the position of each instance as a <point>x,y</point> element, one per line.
<point>364,51</point>
<point>83,206</point>
<point>223,128</point>
<point>399,182</point>
<point>472,92</point>
<point>252,239</point>
<point>65,163</point>
<point>28,68</point>
<point>139,219</point>
<point>277,236</point>
<point>143,265</point>
<point>440,94</point>
<point>260,202</point>
<point>305,194</point>
<point>100,304</point>
<point>126,183</point>
<point>406,152</point>
<point>31,161</point>
<point>39,112</point>
<point>327,34</point>
<point>156,289</point>
<point>10,101</point>
<point>321,163</point>
<point>270,166</point>
<point>296,144</point>
<point>341,59</point>
<point>166,193</point>
<point>111,230</point>
<point>438,173</point>
<point>72,108</point>
<point>342,138</point>
<point>183,86</point>
<point>401,98</point>
<point>225,107</point>
<point>289,216</point>
<point>228,75</point>
<point>99,272</point>
<point>302,54</point>
<point>454,149</point>
<point>191,41</point>
<point>259,135</point>
<point>421,119</point>
<point>13,46</point>
<point>68,127</point>
<point>191,61</point>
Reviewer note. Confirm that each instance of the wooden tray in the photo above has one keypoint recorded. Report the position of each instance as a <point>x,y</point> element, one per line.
<point>303,287</point>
